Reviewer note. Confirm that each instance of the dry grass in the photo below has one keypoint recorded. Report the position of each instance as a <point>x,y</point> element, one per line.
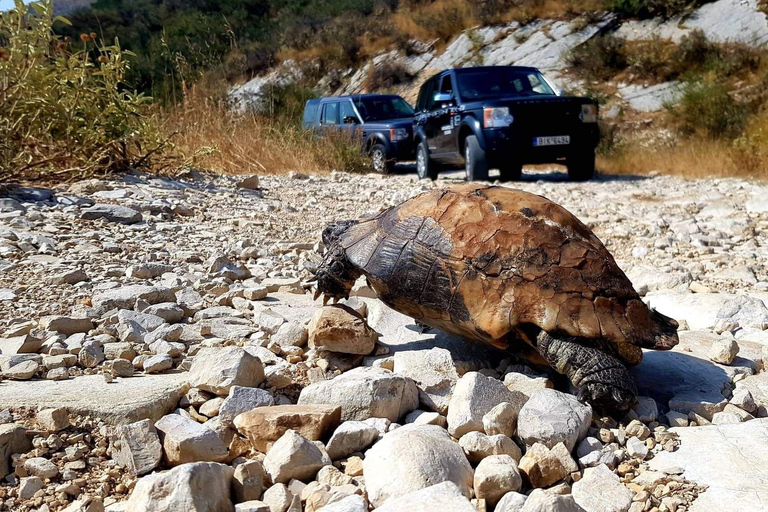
<point>695,158</point>
<point>210,138</point>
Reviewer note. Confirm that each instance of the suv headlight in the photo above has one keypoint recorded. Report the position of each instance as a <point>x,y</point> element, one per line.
<point>396,134</point>
<point>588,113</point>
<point>497,117</point>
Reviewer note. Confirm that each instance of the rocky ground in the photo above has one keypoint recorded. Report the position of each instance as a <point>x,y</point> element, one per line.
<point>160,351</point>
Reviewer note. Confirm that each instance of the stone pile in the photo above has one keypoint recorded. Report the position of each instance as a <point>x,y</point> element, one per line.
<point>265,400</point>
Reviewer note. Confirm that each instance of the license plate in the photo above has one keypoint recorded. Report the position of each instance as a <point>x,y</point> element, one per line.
<point>556,140</point>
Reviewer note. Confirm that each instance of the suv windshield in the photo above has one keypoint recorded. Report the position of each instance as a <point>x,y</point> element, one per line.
<point>485,84</point>
<point>377,109</point>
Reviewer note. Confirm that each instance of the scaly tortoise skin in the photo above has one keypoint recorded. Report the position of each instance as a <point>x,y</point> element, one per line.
<point>507,268</point>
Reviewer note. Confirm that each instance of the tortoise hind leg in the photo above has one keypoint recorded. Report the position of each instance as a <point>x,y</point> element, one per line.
<point>603,380</point>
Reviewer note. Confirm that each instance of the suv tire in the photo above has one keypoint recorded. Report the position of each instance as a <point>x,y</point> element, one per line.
<point>510,171</point>
<point>381,164</point>
<point>475,161</point>
<point>581,166</point>
<point>425,167</point>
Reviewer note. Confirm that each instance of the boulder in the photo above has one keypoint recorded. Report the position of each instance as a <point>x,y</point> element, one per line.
<point>293,456</point>
<point>193,487</point>
<point>248,481</point>
<point>526,384</point>
<point>218,369</point>
<point>351,437</point>
<point>353,503</point>
<point>541,500</point>
<point>265,425</point>
<point>158,363</point>
<point>365,392</point>
<point>24,344</point>
<point>242,399</point>
<point>13,439</point>
<point>125,297</point>
<point>512,502</point>
<point>434,373</point>
<point>339,328</point>
<point>41,467</point>
<point>136,447</point>
<point>66,324</point>
<point>541,467</point>
<point>502,419</point>
<point>445,497</point>
<point>90,355</point>
<point>24,370</point>
<point>290,334</point>
<point>495,476</point>
<point>278,497</point>
<point>473,397</point>
<point>600,490</point>
<point>551,417</point>
<point>411,458</point>
<point>119,351</point>
<point>28,486</point>
<point>478,446</point>
<point>112,213</point>
<point>185,440</point>
<point>723,350</point>
<point>53,420</point>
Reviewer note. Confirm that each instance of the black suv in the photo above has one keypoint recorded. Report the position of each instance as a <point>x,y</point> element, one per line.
<point>501,117</point>
<point>384,121</point>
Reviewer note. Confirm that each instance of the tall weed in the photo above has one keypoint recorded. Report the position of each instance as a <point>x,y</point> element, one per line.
<point>64,108</point>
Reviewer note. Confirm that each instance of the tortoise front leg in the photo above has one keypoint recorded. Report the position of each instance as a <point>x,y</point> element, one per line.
<point>603,380</point>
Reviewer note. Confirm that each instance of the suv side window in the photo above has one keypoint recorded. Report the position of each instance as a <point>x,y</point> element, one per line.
<point>330,114</point>
<point>424,95</point>
<point>347,111</point>
<point>446,87</point>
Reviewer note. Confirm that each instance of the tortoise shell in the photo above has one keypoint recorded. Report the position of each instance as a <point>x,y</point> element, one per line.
<point>481,261</point>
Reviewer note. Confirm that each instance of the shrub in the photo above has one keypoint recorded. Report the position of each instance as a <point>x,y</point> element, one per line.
<point>652,8</point>
<point>600,57</point>
<point>386,75</point>
<point>708,108</point>
<point>60,108</point>
<point>285,103</point>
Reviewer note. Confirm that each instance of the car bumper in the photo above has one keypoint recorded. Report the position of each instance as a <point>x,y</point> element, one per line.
<point>402,150</point>
<point>519,144</point>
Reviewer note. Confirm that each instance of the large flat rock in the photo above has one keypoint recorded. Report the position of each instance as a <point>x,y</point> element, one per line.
<point>122,401</point>
<point>685,374</point>
<point>730,459</point>
<point>699,310</point>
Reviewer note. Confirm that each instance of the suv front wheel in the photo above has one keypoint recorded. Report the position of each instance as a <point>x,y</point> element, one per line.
<point>425,167</point>
<point>475,161</point>
<point>581,166</point>
<point>381,163</point>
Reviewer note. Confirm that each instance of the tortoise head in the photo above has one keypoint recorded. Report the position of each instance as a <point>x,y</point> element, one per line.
<point>336,274</point>
<point>666,331</point>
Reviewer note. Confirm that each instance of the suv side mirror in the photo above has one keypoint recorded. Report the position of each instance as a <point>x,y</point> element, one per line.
<point>441,97</point>
<point>350,120</point>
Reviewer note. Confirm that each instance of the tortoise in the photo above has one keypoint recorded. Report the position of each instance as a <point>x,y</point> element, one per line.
<point>507,268</point>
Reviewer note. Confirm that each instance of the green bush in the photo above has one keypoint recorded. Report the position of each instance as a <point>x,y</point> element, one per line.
<point>708,108</point>
<point>63,109</point>
<point>652,8</point>
<point>600,57</point>
<point>285,103</point>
